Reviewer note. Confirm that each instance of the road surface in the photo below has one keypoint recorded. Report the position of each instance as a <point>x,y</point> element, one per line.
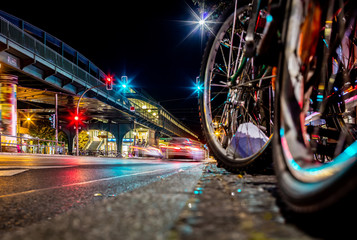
<point>36,189</point>
<point>106,198</point>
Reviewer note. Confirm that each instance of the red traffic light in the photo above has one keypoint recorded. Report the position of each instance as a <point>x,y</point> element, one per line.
<point>109,83</point>
<point>76,119</point>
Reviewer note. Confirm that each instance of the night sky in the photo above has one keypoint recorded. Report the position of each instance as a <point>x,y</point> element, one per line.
<point>149,41</point>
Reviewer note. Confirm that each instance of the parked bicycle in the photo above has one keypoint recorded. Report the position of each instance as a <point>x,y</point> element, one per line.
<point>237,101</point>
<point>288,69</point>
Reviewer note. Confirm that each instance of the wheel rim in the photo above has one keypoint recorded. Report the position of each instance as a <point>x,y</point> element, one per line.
<point>235,128</point>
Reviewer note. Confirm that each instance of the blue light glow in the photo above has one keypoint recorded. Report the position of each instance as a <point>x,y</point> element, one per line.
<point>198,87</point>
<point>351,151</point>
<point>269,18</point>
<point>281,132</point>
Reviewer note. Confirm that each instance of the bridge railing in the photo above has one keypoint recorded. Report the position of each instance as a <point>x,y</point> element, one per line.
<point>145,114</point>
<point>32,44</point>
<point>30,145</point>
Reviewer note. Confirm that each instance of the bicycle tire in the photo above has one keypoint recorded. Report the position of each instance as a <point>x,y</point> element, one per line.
<point>306,182</point>
<point>232,163</point>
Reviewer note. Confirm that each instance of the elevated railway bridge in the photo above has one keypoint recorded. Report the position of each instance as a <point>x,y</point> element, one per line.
<point>42,76</point>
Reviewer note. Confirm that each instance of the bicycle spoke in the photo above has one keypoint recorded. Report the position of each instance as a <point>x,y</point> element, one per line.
<point>232,38</point>
<point>236,127</point>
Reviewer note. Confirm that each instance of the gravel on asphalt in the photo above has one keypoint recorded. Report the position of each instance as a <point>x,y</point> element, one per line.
<point>234,206</point>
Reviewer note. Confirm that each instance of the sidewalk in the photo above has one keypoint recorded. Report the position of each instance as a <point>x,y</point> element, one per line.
<point>233,206</point>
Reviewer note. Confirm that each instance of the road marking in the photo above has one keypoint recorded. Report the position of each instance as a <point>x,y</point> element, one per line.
<point>9,173</point>
<point>80,183</point>
<point>34,167</point>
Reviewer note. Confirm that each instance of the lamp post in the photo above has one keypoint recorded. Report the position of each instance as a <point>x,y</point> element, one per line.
<point>109,82</point>
<point>76,117</point>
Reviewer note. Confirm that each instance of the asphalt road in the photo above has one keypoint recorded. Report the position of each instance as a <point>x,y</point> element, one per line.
<point>36,189</point>
<point>105,198</point>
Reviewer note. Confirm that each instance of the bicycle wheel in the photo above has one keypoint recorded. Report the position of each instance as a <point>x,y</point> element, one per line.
<point>236,102</point>
<point>315,147</point>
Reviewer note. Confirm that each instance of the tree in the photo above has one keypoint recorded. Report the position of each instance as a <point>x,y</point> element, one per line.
<point>62,137</point>
<point>42,129</point>
<point>83,139</point>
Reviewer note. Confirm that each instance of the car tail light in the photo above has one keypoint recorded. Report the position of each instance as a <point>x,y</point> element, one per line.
<point>172,147</point>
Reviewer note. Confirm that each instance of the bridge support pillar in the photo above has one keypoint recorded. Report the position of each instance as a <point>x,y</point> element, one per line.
<point>118,130</point>
<point>8,112</point>
<point>157,138</point>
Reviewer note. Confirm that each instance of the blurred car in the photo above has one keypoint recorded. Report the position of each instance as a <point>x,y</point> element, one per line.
<point>184,148</point>
<point>146,151</point>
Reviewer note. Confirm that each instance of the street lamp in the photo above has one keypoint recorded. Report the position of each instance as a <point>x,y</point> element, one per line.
<point>109,86</point>
<point>29,119</point>
<point>76,117</point>
<point>198,85</point>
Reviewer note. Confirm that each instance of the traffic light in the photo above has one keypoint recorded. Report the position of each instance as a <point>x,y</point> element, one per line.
<point>76,119</point>
<point>109,83</point>
<point>52,119</point>
<point>198,85</point>
<point>124,81</point>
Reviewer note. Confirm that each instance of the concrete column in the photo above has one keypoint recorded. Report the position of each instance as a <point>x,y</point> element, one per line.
<point>8,111</point>
<point>157,138</point>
